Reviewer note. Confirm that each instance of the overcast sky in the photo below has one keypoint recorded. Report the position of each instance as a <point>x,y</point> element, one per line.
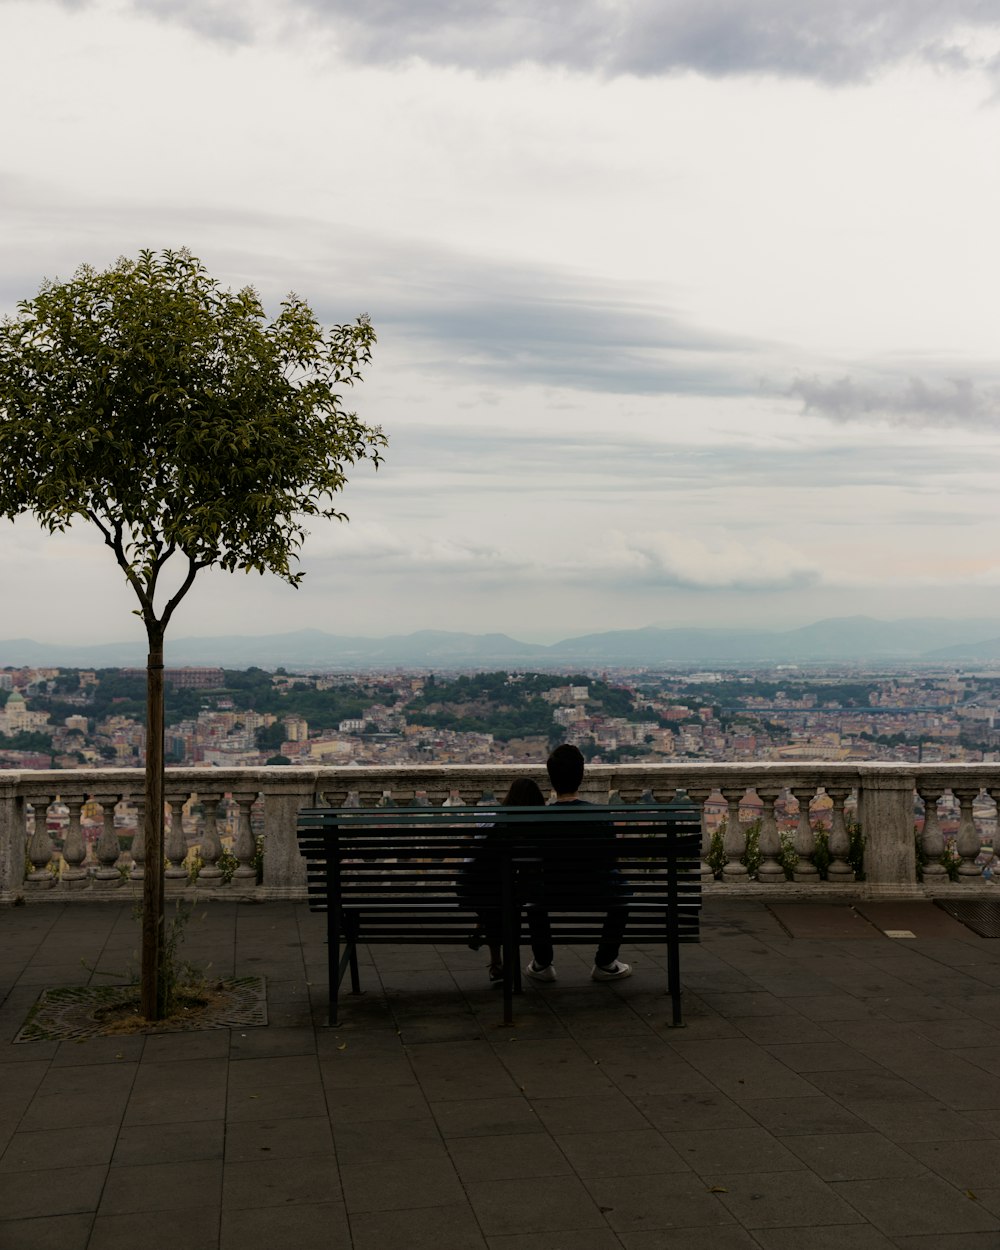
<point>687,309</point>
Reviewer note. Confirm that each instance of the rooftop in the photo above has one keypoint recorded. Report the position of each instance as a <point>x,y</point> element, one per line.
<point>833,1086</point>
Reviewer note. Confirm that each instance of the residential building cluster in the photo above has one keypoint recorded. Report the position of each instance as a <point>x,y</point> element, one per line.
<point>69,718</point>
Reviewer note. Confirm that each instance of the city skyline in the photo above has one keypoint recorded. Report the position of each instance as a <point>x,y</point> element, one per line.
<point>684,311</point>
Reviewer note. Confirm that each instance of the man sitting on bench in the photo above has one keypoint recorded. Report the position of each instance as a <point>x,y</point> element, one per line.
<point>593,863</point>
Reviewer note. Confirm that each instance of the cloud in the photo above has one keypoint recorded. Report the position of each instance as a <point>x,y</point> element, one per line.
<point>461,313</point>
<point>843,42</point>
<point>661,558</point>
<point>654,559</point>
<point>915,402</point>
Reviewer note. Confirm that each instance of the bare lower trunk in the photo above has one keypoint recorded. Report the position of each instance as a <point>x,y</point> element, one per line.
<point>152,982</point>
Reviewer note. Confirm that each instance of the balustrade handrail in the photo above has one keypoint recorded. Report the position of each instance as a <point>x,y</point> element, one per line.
<point>264,801</point>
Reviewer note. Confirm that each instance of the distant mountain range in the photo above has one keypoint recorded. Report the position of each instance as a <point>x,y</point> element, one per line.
<point>844,639</point>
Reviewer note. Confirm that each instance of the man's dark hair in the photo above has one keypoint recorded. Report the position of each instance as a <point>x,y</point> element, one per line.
<point>565,768</point>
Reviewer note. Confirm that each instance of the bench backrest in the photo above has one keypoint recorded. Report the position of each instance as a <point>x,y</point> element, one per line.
<point>435,867</point>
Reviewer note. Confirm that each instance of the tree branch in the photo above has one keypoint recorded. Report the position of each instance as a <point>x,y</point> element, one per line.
<point>168,611</point>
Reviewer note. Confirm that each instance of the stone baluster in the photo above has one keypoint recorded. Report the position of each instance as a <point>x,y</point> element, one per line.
<point>244,848</point>
<point>386,800</point>
<point>138,848</point>
<point>932,839</point>
<point>489,799</point>
<point>967,843</point>
<point>454,799</point>
<point>175,875</point>
<point>352,799</point>
<point>74,875</point>
<point>770,871</point>
<point>805,839</point>
<point>840,870</point>
<point>40,850</point>
<point>734,843</point>
<point>210,874</point>
<point>108,852</point>
<point>420,799</point>
<point>698,796</point>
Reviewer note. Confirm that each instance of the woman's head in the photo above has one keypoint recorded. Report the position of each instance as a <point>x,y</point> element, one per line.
<point>524,793</point>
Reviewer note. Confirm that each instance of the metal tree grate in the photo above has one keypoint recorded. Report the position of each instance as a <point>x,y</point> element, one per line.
<point>982,916</point>
<point>71,1013</point>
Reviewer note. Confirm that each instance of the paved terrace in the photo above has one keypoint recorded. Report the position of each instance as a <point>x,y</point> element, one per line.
<point>835,1087</point>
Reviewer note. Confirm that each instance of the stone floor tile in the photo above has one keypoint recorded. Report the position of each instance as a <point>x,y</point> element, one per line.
<point>832,1237</point>
<point>724,1237</point>
<point>452,1227</point>
<point>561,1205</point>
<point>373,1141</point>
<point>59,1148</point>
<point>270,1041</point>
<point>924,1205</point>
<point>826,1008</point>
<point>486,1117</point>
<point>577,1239</point>
<point>52,1191</point>
<point>47,1232</point>
<point>166,1093</point>
<point>613,1112</point>
<point>693,1110</point>
<point>906,1121</point>
<point>394,1103</point>
<point>506,1156</point>
<point>89,1105</point>
<point>260,1100</point>
<point>859,1085</point>
<point>415,1182</point>
<point>208,1044</point>
<point>747,1003</point>
<point>90,1050</point>
<point>820,1057</point>
<point>353,1069</point>
<point>782,1199</point>
<point>170,1143</point>
<point>853,1156</point>
<point>781,1030</point>
<point>710,1151</point>
<point>962,1033</point>
<point>660,1201</point>
<point>299,1070</point>
<point>742,1069</point>
<point>966,1164</point>
<point>787,1116</point>
<point>947,1241</point>
<point>276,1182</point>
<point>616,1153</point>
<point>162,1186</point>
<point>193,1228</point>
<point>558,1068</point>
<point>278,1139</point>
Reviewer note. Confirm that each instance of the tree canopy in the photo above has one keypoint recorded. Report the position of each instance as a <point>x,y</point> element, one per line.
<point>174,416</point>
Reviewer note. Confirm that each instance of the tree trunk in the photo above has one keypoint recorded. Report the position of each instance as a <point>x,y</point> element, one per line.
<point>152,984</point>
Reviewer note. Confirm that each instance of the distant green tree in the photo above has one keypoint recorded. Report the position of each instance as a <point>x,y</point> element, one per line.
<point>175,417</point>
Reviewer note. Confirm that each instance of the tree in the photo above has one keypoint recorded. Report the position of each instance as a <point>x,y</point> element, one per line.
<point>191,431</point>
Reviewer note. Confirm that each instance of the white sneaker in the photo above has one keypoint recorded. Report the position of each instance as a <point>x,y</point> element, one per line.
<point>541,974</point>
<point>614,972</point>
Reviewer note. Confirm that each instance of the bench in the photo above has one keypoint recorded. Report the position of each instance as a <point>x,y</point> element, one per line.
<point>404,875</point>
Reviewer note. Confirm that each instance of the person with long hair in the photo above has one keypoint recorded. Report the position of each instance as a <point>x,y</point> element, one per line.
<point>481,885</point>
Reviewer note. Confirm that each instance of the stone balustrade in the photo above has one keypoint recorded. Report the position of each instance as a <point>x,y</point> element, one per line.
<point>231,832</point>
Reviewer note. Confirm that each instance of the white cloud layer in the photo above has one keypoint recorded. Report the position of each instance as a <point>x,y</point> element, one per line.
<point>686,312</point>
